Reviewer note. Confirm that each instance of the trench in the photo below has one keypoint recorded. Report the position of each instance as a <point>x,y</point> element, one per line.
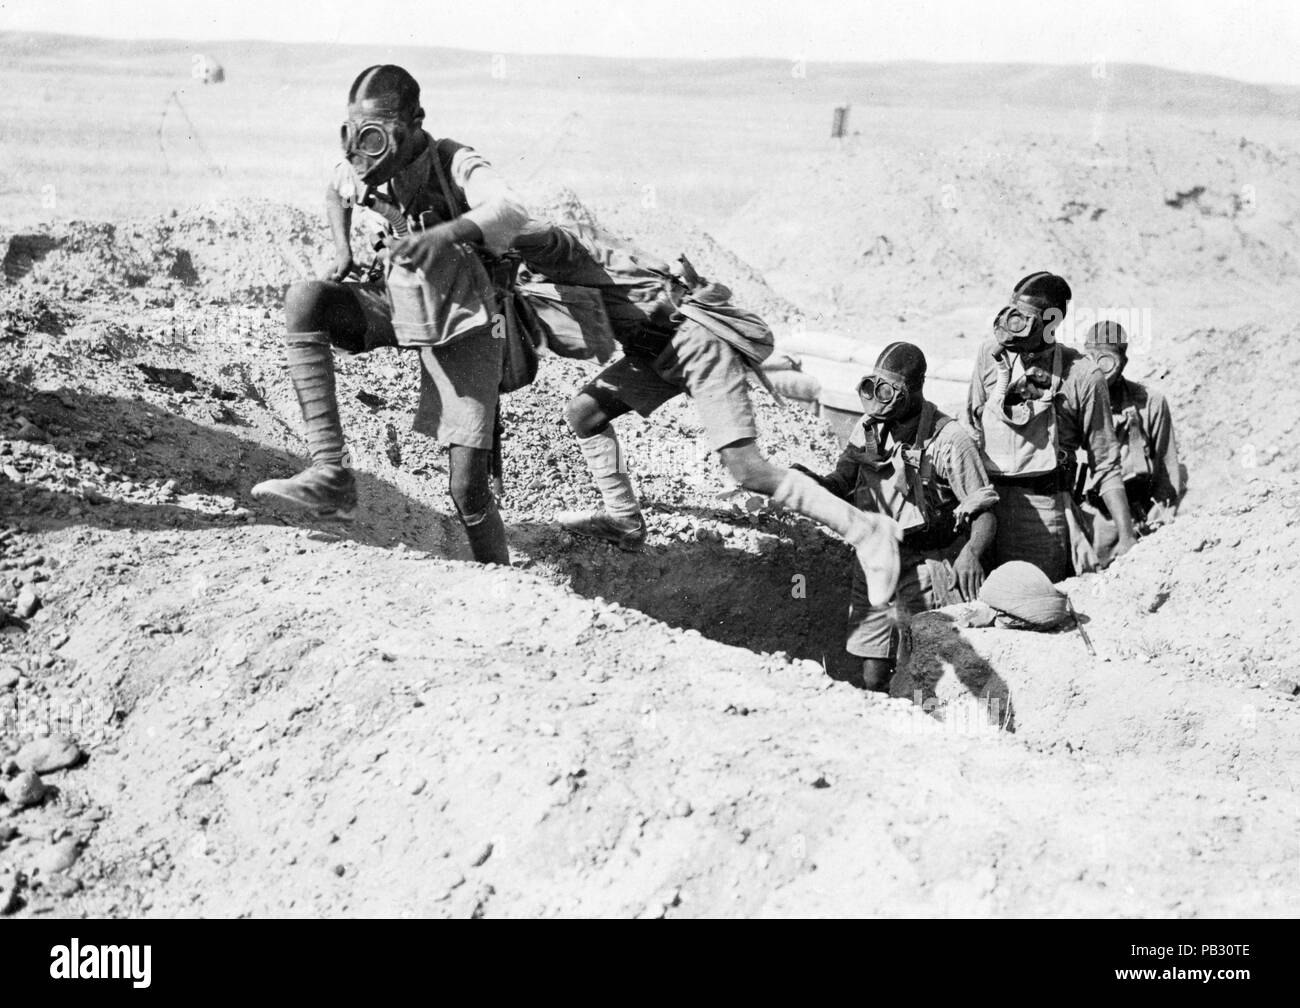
<point>792,599</point>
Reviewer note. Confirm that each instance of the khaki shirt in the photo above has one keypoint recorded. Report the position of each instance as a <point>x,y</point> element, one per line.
<point>1158,422</point>
<point>1083,414</point>
<point>958,469</point>
<point>494,207</point>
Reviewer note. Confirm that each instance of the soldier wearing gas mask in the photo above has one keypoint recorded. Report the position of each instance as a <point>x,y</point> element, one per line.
<point>1033,405</point>
<point>1144,427</point>
<point>446,218</point>
<point>907,460</point>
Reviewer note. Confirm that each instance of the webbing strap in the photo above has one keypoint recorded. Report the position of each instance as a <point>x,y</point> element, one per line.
<point>453,205</point>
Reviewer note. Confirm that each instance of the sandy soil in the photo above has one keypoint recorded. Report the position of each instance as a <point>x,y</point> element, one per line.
<point>277,718</point>
<point>212,710</point>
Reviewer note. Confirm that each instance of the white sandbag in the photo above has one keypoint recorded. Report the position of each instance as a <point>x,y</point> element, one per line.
<point>867,354</point>
<point>827,345</point>
<point>838,380</point>
<point>949,396</point>
<point>956,369</point>
<point>795,385</point>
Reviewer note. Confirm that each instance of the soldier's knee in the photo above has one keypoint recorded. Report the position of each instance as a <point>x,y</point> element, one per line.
<point>584,415</point>
<point>306,306</point>
<point>747,467</point>
<point>470,485</point>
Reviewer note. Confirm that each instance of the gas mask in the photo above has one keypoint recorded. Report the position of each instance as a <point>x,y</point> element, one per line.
<point>884,397</point>
<point>1110,362</point>
<point>374,141</point>
<point>1021,326</point>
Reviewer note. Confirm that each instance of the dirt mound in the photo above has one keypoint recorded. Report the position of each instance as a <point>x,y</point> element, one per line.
<point>286,718</point>
<point>248,252</point>
<point>1236,401</point>
<point>894,234</point>
<point>1198,613</point>
<point>225,252</point>
<point>1183,235</point>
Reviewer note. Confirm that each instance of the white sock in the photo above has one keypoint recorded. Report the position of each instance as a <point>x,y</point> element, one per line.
<point>609,470</point>
<point>875,537</point>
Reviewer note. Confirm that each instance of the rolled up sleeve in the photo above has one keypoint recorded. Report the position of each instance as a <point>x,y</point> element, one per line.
<point>957,462</point>
<point>343,182</point>
<point>493,206</point>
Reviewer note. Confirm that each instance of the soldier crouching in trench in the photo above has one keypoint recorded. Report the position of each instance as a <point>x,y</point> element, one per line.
<point>1148,450</point>
<point>448,216</point>
<point>907,460</point>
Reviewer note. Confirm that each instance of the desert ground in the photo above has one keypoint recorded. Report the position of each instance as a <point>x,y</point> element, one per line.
<point>235,713</point>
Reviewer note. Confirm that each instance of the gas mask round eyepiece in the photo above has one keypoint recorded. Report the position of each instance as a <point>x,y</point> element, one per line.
<point>371,146</point>
<point>882,397</point>
<point>1017,324</point>
<point>370,139</point>
<point>1109,362</point>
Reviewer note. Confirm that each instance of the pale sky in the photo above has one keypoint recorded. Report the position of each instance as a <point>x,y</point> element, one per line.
<point>1253,40</point>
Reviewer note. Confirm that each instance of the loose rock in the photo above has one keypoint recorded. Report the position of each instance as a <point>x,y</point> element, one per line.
<point>45,755</point>
<point>202,775</point>
<point>58,857</point>
<point>25,790</point>
<point>27,604</point>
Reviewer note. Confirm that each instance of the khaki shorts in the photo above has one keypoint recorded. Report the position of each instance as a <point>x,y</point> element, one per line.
<point>695,362</point>
<point>458,383</point>
<point>872,631</point>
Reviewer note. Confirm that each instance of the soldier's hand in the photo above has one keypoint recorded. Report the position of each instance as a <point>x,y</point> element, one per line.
<point>343,265</point>
<point>969,575</point>
<point>420,251</point>
<point>1123,546</point>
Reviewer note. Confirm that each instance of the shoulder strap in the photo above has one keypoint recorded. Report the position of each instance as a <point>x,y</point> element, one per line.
<point>1058,368</point>
<point>932,422</point>
<point>444,152</point>
<point>922,477</point>
<point>925,424</point>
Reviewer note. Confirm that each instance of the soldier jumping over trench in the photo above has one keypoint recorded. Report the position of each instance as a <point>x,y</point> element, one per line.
<point>681,335</point>
<point>448,217</point>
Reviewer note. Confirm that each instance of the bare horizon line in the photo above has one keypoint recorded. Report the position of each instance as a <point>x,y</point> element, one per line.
<point>211,42</point>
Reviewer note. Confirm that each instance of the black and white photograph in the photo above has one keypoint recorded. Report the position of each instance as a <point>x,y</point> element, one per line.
<point>595,459</point>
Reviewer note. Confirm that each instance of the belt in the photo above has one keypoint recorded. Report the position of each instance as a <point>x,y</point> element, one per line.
<point>1042,483</point>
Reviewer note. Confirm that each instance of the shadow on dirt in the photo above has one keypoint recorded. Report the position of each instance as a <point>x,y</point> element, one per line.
<point>939,650</point>
<point>794,599</point>
<point>24,252</point>
<point>134,441</point>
